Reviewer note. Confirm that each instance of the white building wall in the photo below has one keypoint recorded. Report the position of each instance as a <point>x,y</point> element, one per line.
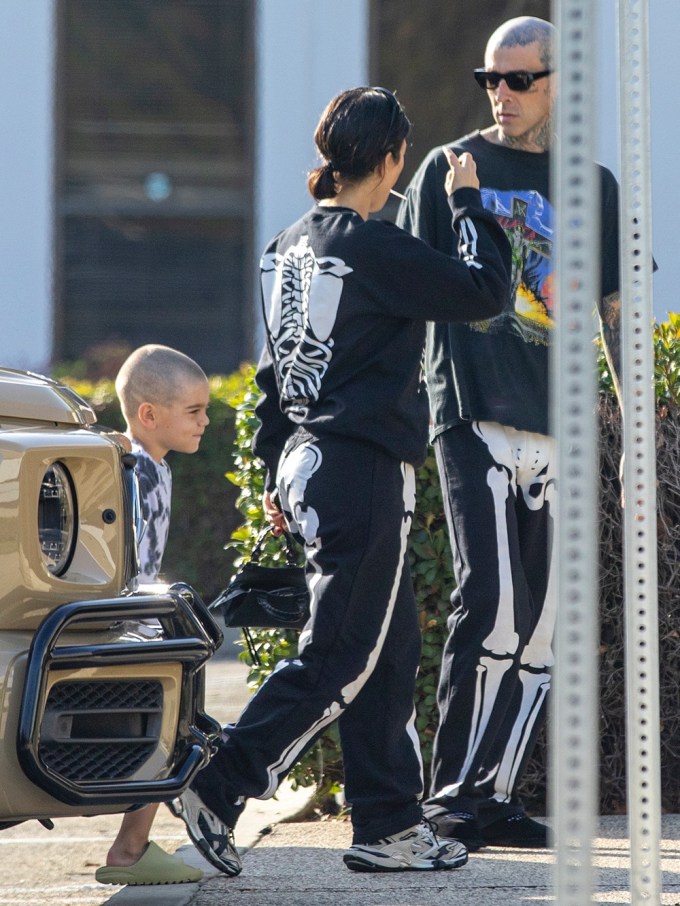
<point>26,149</point>
<point>302,61</point>
<point>306,52</point>
<point>664,40</point>
<point>301,66</point>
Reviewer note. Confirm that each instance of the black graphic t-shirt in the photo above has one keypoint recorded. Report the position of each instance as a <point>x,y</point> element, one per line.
<point>345,305</point>
<point>497,369</point>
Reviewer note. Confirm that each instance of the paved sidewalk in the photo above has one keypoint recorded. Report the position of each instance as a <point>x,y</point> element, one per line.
<point>297,864</point>
<point>301,865</point>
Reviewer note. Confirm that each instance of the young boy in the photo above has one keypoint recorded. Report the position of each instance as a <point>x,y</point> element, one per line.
<point>164,398</point>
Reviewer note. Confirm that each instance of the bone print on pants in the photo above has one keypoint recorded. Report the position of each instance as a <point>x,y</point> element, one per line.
<point>352,503</point>
<point>499,491</point>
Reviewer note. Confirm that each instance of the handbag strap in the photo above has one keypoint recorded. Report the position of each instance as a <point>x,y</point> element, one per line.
<point>291,556</point>
<point>250,642</point>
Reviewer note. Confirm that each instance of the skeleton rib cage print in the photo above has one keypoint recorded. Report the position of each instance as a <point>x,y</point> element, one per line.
<point>302,294</point>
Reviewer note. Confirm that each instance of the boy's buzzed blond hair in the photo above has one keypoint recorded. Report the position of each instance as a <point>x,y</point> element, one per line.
<point>154,374</point>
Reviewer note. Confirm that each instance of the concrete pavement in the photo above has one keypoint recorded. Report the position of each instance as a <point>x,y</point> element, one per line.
<point>296,864</point>
<point>301,865</point>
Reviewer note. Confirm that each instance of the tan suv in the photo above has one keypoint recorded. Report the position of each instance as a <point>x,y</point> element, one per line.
<point>101,686</point>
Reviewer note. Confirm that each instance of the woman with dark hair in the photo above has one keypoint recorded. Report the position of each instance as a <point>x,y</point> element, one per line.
<point>343,424</point>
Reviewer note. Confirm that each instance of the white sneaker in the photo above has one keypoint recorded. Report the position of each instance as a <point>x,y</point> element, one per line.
<point>415,849</point>
<point>210,835</point>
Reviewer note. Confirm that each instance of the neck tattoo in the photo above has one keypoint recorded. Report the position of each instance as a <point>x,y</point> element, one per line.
<point>536,140</point>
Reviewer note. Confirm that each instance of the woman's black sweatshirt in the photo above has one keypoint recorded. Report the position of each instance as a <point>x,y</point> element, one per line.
<point>345,304</point>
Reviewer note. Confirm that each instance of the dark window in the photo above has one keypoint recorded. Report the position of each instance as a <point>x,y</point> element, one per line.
<point>154,184</point>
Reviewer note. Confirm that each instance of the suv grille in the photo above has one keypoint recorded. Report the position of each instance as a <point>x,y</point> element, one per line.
<point>94,761</point>
<point>108,694</point>
<point>98,731</point>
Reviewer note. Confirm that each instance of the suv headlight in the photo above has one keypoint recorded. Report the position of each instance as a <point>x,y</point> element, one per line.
<point>56,519</point>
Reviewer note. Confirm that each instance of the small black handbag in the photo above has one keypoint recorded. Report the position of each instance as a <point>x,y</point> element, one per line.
<point>266,597</point>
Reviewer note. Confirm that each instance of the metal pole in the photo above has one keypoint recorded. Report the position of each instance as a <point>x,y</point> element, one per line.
<point>640,544</point>
<point>574,750</point>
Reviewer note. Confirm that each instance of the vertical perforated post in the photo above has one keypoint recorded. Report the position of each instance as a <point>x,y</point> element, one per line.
<point>574,749</point>
<point>640,558</point>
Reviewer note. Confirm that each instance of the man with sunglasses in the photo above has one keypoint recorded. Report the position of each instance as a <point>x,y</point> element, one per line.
<point>489,400</point>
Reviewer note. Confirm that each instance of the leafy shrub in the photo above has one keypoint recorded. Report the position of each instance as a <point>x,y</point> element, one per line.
<point>323,765</point>
<point>431,568</point>
<point>612,725</point>
<point>204,517</point>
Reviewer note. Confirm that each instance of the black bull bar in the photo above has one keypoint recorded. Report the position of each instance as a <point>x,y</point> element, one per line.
<point>190,637</point>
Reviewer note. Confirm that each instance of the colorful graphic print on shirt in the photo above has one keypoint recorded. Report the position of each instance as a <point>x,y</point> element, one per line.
<point>527,218</point>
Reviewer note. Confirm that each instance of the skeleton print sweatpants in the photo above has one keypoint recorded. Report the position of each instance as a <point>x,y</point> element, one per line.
<point>499,490</point>
<point>358,655</point>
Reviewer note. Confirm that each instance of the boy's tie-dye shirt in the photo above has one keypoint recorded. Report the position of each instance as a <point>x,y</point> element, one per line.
<point>155,486</point>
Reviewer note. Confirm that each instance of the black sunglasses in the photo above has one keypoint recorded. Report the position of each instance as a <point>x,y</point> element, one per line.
<point>517,80</point>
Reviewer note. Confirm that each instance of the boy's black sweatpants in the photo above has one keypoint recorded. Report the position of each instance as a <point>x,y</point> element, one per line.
<point>358,655</point>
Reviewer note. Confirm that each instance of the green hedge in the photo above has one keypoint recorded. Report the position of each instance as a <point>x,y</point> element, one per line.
<point>204,518</point>
<point>611,649</point>
<point>431,567</point>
